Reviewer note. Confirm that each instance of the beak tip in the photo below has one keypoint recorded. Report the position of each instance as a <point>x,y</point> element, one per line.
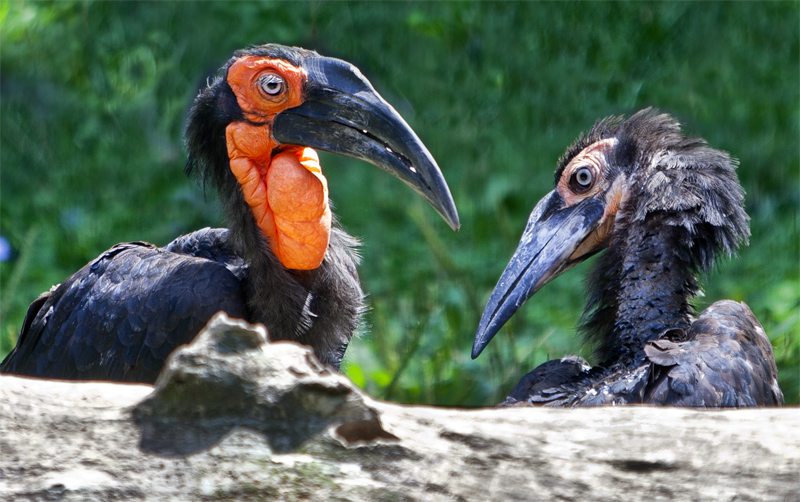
<point>441,199</point>
<point>480,343</point>
<point>454,224</point>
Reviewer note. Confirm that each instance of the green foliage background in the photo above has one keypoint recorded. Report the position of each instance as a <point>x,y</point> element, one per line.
<point>93,97</point>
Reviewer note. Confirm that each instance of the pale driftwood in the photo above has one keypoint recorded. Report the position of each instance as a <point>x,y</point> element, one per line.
<point>235,418</point>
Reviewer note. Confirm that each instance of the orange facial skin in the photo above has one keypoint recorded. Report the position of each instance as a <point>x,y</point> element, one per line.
<point>286,192</point>
<point>594,157</point>
<point>258,106</point>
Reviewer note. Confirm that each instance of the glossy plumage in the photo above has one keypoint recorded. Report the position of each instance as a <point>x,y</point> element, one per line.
<point>119,317</point>
<point>662,206</point>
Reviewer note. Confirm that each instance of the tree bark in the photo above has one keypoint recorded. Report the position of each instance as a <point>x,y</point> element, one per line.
<point>233,417</point>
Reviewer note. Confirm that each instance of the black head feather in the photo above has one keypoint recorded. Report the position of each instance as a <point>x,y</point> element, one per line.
<point>692,186</point>
<point>292,55</point>
<point>602,129</point>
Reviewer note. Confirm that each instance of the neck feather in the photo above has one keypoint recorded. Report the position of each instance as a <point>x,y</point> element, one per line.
<point>320,308</point>
<point>640,289</point>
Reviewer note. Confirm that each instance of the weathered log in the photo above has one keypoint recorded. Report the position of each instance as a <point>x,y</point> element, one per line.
<point>233,417</point>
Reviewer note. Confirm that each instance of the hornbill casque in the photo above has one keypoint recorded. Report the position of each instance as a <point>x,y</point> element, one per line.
<point>662,206</point>
<point>283,262</point>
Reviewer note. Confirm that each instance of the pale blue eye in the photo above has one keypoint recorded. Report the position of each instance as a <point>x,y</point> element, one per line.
<point>584,177</point>
<point>581,180</point>
<point>272,84</point>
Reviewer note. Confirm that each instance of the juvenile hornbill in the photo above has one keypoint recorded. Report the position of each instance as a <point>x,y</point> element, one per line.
<point>662,206</point>
<point>283,261</point>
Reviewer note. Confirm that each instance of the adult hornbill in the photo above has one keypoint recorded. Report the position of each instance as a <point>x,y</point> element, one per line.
<point>282,262</point>
<point>662,206</point>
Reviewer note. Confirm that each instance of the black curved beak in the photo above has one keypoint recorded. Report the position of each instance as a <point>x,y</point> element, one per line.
<point>553,233</point>
<point>343,114</point>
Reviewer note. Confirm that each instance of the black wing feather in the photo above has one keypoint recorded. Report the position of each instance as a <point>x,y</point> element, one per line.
<point>120,316</point>
<point>726,361</point>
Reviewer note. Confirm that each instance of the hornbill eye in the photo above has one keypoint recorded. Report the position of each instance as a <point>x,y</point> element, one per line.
<point>581,180</point>
<point>272,84</point>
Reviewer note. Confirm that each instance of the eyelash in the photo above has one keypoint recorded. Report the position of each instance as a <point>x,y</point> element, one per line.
<point>272,79</point>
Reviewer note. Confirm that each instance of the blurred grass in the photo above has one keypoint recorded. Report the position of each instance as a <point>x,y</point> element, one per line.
<point>93,97</point>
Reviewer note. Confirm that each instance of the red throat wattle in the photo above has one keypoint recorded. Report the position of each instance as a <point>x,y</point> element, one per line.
<point>287,192</point>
